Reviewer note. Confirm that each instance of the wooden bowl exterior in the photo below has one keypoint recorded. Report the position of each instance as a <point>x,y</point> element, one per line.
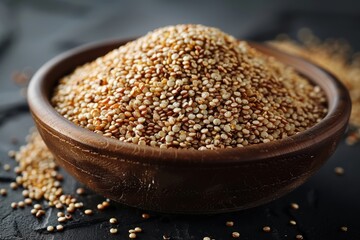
<point>186,181</point>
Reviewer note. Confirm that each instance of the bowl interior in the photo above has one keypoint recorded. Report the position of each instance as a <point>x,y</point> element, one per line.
<point>43,82</point>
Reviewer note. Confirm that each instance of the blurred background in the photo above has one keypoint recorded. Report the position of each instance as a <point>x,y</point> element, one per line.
<point>33,31</point>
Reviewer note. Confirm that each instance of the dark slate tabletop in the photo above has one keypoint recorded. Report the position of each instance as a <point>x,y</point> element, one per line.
<point>31,32</point>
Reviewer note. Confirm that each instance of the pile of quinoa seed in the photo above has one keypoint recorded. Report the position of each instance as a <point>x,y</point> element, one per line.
<point>189,86</point>
<point>337,57</point>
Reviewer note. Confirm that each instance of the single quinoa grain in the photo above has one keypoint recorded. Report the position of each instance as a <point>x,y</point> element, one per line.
<point>145,216</point>
<point>344,229</point>
<point>3,192</point>
<point>292,222</point>
<point>294,206</point>
<point>299,237</point>
<point>339,171</point>
<point>50,228</point>
<point>59,227</point>
<point>229,223</point>
<point>88,212</point>
<point>132,235</point>
<point>189,86</point>
<point>235,234</point>
<point>113,220</point>
<point>267,229</point>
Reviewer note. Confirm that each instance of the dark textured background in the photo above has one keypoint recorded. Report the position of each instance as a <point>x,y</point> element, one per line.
<point>31,32</point>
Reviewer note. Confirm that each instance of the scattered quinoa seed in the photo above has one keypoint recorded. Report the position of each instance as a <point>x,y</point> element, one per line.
<point>13,185</point>
<point>113,230</point>
<point>229,223</point>
<point>7,167</point>
<point>60,214</point>
<point>206,238</point>
<point>344,229</point>
<point>14,205</point>
<point>145,216</point>
<point>294,206</point>
<point>37,206</point>
<point>235,235</point>
<point>21,204</point>
<point>138,229</point>
<point>39,213</point>
<point>50,228</point>
<point>12,153</point>
<point>132,235</point>
<point>292,222</point>
<point>88,212</point>
<point>339,171</point>
<point>80,191</point>
<point>105,204</point>
<point>59,227</point>
<point>113,220</point>
<point>3,192</point>
<point>267,229</point>
<point>299,237</point>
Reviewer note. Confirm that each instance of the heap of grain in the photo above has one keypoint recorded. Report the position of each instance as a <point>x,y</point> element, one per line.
<point>189,86</point>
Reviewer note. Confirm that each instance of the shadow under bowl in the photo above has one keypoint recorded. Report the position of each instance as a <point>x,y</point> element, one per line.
<point>186,181</point>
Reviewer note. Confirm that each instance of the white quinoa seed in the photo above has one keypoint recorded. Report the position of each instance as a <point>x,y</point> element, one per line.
<point>50,228</point>
<point>88,212</point>
<point>59,227</point>
<point>224,92</point>
<point>132,235</point>
<point>113,220</point>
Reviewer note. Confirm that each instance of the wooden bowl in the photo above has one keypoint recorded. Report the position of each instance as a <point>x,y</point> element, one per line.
<point>186,181</point>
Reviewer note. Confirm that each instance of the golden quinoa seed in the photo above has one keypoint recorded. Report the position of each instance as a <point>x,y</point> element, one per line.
<point>50,228</point>
<point>339,171</point>
<point>294,206</point>
<point>266,229</point>
<point>88,212</point>
<point>145,215</point>
<point>299,237</point>
<point>229,223</point>
<point>7,167</point>
<point>3,192</point>
<point>132,235</point>
<point>113,230</point>
<point>292,222</point>
<point>344,229</point>
<point>80,191</point>
<point>59,227</point>
<point>189,86</point>
<point>14,205</point>
<point>113,221</point>
<point>235,234</point>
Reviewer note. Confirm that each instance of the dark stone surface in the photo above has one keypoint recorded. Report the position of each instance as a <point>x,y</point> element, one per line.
<point>42,29</point>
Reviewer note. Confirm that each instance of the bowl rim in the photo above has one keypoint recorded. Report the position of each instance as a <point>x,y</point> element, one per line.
<point>338,100</point>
